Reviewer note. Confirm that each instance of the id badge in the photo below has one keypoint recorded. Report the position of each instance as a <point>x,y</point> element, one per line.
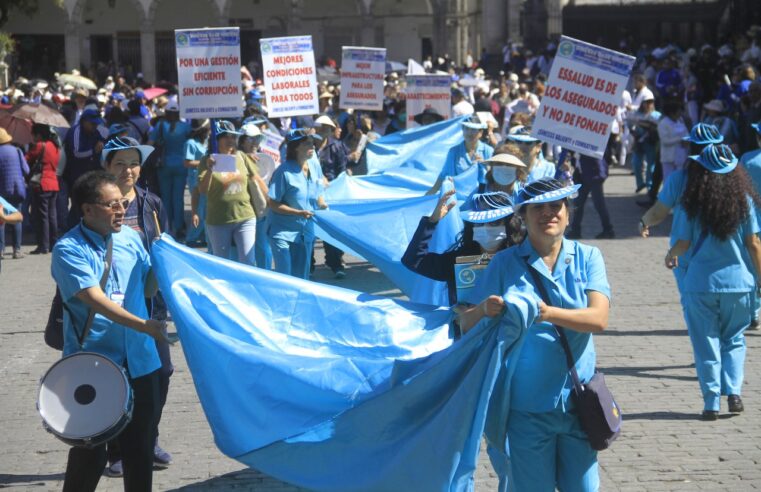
<point>118,298</point>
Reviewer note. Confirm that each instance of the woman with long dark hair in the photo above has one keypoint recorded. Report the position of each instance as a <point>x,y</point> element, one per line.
<point>718,234</point>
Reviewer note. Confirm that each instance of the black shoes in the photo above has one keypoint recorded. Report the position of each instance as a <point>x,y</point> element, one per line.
<point>710,415</point>
<point>735,404</point>
<point>39,251</point>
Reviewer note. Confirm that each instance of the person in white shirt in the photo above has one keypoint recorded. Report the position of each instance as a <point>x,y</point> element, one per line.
<point>671,132</point>
<point>641,93</point>
<point>460,106</point>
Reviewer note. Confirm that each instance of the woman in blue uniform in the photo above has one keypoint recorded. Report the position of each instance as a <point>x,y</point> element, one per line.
<point>295,192</point>
<point>465,154</point>
<point>544,447</point>
<point>720,228</point>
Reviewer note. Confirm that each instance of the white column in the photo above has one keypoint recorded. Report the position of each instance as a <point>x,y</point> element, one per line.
<point>554,17</point>
<point>493,25</point>
<point>148,52</point>
<point>73,46</point>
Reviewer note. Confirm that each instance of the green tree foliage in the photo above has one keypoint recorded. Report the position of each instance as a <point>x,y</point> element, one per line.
<point>26,7</point>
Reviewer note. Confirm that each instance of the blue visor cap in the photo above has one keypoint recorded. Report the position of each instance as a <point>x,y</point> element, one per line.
<point>474,123</point>
<point>545,191</point>
<point>757,127</point>
<point>521,134</point>
<point>704,134</point>
<point>718,159</point>
<point>486,207</point>
<point>125,143</point>
<point>224,126</point>
<point>116,129</point>
<point>298,134</point>
<point>92,116</point>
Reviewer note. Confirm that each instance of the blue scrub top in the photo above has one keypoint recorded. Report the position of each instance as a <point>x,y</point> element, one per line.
<point>194,151</point>
<point>290,187</point>
<point>542,169</point>
<point>752,162</point>
<point>671,196</point>
<point>458,160</point>
<point>541,380</point>
<point>7,207</point>
<point>718,266</point>
<point>172,142</point>
<point>77,264</point>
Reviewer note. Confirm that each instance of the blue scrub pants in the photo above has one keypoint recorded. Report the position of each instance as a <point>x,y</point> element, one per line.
<point>549,450</point>
<point>716,323</point>
<point>197,234</point>
<point>172,185</point>
<point>644,155</point>
<point>292,258</point>
<point>263,248</point>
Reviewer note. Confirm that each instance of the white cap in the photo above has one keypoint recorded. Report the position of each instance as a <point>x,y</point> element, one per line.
<point>250,130</point>
<point>172,106</point>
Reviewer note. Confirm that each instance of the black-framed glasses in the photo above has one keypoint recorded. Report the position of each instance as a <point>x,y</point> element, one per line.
<point>115,205</point>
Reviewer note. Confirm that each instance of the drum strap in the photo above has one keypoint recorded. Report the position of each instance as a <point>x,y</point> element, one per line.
<point>103,282</point>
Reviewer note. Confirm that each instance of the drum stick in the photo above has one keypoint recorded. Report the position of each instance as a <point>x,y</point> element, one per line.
<point>156,223</point>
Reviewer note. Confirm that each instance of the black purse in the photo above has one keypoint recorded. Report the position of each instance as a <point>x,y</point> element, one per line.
<point>599,414</point>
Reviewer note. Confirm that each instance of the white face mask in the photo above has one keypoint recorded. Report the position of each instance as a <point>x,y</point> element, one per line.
<point>503,175</point>
<point>489,237</point>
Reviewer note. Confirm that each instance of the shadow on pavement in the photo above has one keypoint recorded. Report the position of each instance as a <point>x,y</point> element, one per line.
<point>246,479</point>
<point>644,372</point>
<point>7,480</point>
<point>643,333</point>
<point>671,416</point>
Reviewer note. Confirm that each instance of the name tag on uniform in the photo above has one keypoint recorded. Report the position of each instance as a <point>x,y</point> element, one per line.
<point>118,298</point>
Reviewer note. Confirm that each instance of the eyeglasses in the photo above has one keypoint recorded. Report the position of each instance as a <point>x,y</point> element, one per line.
<point>115,205</point>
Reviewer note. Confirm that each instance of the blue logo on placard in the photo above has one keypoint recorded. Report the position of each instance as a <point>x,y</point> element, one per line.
<point>182,39</point>
<point>566,48</point>
<point>266,48</point>
<point>467,277</point>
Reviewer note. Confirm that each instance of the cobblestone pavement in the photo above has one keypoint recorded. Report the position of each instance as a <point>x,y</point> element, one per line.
<point>645,355</point>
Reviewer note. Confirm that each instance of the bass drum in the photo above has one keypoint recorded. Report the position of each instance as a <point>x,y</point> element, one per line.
<point>85,399</point>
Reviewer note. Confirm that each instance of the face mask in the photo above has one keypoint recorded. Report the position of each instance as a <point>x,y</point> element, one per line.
<point>503,175</point>
<point>489,237</point>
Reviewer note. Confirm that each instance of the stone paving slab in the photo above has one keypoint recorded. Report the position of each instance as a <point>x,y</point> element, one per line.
<point>645,354</point>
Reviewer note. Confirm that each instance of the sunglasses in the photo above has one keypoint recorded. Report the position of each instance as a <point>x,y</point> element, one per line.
<point>115,205</point>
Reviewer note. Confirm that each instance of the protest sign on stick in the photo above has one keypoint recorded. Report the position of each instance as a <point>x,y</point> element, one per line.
<point>362,74</point>
<point>208,72</point>
<point>290,80</point>
<point>582,96</point>
<point>428,91</point>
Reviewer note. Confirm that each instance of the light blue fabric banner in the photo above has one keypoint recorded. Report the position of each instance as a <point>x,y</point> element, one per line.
<point>421,150</point>
<point>332,389</point>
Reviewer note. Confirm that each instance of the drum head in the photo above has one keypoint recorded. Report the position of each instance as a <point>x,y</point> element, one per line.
<point>266,166</point>
<point>83,395</point>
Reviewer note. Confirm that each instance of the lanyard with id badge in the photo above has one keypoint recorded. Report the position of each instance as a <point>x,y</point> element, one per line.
<point>103,282</point>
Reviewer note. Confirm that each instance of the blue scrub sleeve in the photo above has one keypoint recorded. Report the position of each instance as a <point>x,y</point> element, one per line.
<point>72,271</point>
<point>750,226</point>
<point>449,164</point>
<point>597,278</point>
<point>278,184</point>
<point>189,151</point>
<point>672,189</point>
<point>7,207</point>
<point>155,133</point>
<point>682,227</point>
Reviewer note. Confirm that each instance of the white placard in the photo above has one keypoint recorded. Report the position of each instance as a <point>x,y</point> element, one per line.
<point>208,72</point>
<point>362,74</point>
<point>266,166</point>
<point>428,91</point>
<point>224,163</point>
<point>270,145</point>
<point>582,96</point>
<point>290,78</point>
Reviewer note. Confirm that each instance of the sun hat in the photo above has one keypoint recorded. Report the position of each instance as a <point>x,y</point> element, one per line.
<point>474,123</point>
<point>480,208</point>
<point>324,120</point>
<point>250,130</point>
<point>544,191</point>
<point>224,126</point>
<point>703,134</point>
<point>326,95</point>
<point>505,159</point>
<point>718,159</point>
<point>521,134</point>
<point>255,120</point>
<point>5,137</point>
<point>715,105</point>
<point>428,113</point>
<point>298,134</point>
<point>172,106</point>
<point>123,143</point>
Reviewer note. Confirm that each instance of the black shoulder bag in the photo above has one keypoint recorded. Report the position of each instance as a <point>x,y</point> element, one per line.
<point>598,412</point>
<point>54,328</point>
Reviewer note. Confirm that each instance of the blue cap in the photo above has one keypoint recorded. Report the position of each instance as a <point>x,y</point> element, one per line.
<point>474,123</point>
<point>117,96</point>
<point>116,129</point>
<point>521,134</point>
<point>718,159</point>
<point>704,134</point>
<point>300,134</point>
<point>486,207</point>
<point>224,126</point>
<point>139,94</point>
<point>544,191</point>
<point>254,120</point>
<point>254,94</point>
<point>124,143</point>
<point>92,115</point>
